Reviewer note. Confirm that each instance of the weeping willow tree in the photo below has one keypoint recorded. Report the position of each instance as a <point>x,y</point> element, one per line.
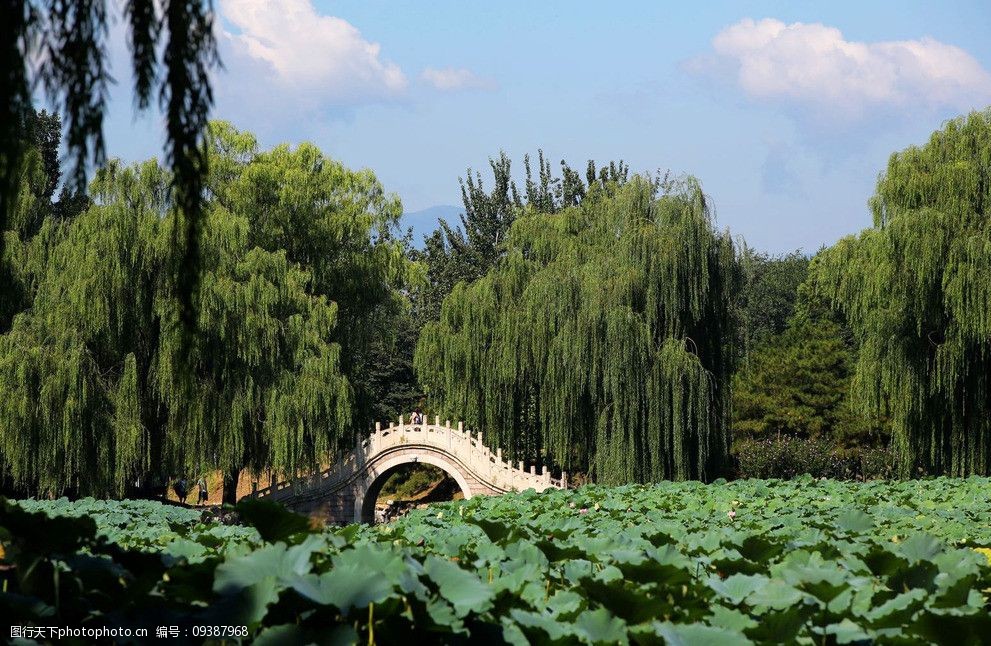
<point>95,385</point>
<point>335,222</point>
<point>601,340</point>
<point>916,289</point>
<point>100,384</point>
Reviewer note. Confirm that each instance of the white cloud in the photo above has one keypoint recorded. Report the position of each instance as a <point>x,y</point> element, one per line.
<point>325,56</point>
<point>814,65</point>
<point>451,78</point>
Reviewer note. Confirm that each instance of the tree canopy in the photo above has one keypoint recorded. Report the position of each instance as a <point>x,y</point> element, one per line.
<point>467,251</point>
<point>99,385</point>
<point>38,179</point>
<point>916,290</point>
<point>768,295</point>
<point>599,340</point>
<point>796,384</point>
<point>60,47</point>
<point>337,224</point>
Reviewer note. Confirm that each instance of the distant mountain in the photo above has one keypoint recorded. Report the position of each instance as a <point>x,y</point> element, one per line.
<point>425,221</point>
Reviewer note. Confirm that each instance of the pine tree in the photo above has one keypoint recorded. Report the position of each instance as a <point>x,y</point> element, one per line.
<point>797,384</point>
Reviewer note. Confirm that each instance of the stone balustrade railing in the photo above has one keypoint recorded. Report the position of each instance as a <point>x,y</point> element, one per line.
<point>467,448</point>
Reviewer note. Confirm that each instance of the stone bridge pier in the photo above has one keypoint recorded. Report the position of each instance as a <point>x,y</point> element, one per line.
<point>346,492</point>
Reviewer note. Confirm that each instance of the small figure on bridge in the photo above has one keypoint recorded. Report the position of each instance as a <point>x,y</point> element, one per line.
<point>416,417</point>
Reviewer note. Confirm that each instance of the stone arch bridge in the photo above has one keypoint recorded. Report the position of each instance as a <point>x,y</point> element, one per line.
<point>346,492</point>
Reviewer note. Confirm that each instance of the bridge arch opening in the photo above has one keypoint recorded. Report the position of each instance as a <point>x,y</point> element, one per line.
<point>365,505</point>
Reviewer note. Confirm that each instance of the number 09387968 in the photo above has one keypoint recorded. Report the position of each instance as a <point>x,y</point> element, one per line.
<point>220,631</point>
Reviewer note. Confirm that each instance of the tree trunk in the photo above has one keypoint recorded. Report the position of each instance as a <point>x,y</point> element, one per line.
<point>150,487</point>
<point>230,486</point>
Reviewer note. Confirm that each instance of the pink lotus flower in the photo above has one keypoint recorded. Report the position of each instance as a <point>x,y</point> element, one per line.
<point>731,513</point>
<point>583,510</point>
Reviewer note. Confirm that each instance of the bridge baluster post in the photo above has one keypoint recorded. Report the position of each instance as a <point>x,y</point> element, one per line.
<point>564,479</point>
<point>522,466</point>
<point>378,427</point>
<point>499,454</point>
<point>533,469</point>
<point>461,428</point>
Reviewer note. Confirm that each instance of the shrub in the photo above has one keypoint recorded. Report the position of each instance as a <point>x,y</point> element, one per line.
<point>790,457</point>
<point>409,481</point>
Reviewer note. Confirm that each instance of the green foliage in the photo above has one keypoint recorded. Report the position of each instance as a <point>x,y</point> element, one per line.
<point>601,340</point>
<point>61,48</point>
<point>273,522</point>
<point>151,526</point>
<point>768,295</point>
<point>792,406</point>
<point>44,135</point>
<point>410,481</point>
<point>764,562</point>
<point>916,290</point>
<point>95,384</point>
<point>337,225</point>
<point>788,457</point>
<point>797,384</point>
<point>386,374</point>
<point>468,251</point>
<point>100,384</point>
<point>37,180</point>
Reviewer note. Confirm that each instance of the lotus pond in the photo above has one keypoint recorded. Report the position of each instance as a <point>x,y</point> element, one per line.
<point>800,561</point>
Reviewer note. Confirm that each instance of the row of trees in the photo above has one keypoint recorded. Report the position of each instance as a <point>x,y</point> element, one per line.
<point>903,350</point>
<point>790,358</point>
<point>883,337</point>
<point>241,308</point>
<point>599,323</point>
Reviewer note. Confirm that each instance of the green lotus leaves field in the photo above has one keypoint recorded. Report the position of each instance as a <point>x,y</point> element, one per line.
<point>801,561</point>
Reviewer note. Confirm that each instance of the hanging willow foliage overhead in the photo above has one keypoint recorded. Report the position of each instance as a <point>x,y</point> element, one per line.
<point>61,47</point>
<point>601,340</point>
<point>916,289</point>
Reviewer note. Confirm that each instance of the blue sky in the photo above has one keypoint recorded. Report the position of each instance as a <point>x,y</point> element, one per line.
<point>786,111</point>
